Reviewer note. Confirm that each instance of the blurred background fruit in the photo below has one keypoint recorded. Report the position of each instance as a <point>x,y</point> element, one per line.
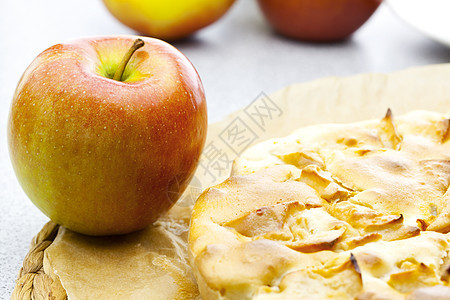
<point>168,19</point>
<point>318,20</point>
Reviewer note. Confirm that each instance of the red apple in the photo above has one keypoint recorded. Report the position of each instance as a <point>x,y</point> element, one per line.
<point>318,20</point>
<point>168,19</point>
<point>105,156</point>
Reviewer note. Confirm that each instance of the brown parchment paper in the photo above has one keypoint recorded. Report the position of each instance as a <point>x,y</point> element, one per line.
<point>153,263</point>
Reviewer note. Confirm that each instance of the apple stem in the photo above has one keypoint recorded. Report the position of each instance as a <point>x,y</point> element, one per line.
<point>138,43</point>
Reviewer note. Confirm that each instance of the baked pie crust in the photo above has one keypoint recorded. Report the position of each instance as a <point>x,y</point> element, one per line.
<point>334,211</point>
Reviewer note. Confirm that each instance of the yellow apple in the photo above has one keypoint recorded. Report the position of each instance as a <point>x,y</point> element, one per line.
<point>169,19</point>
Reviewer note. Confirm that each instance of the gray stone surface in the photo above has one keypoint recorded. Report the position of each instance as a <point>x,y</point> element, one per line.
<point>238,58</point>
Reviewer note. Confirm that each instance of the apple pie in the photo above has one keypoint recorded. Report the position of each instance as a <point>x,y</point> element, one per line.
<point>333,211</point>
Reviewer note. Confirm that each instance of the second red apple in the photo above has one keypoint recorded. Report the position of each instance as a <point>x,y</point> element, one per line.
<point>318,20</point>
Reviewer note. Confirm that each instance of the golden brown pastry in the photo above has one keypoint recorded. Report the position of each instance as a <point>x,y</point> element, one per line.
<point>336,211</point>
